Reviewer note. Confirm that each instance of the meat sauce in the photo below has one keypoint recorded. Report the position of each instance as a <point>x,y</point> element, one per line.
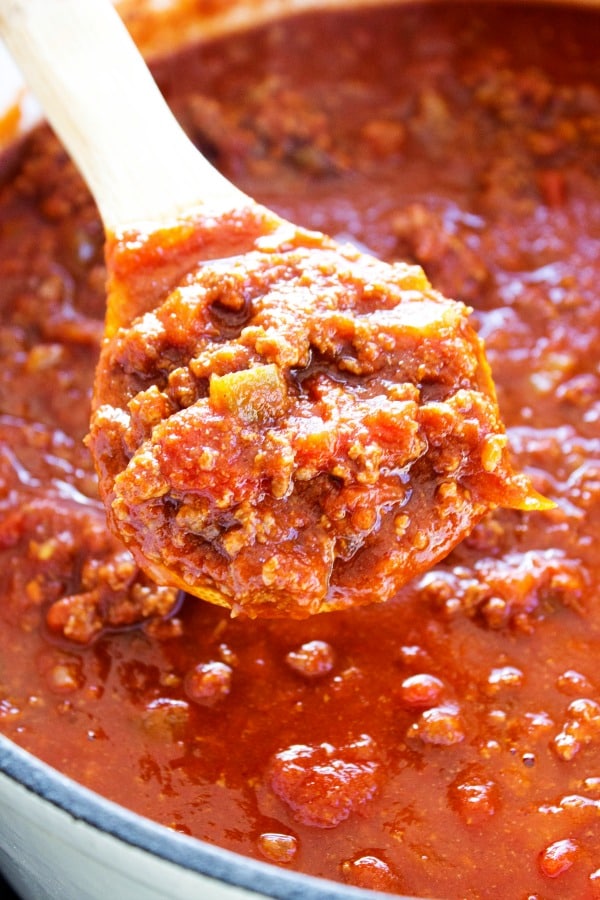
<point>295,428</point>
<point>446,742</point>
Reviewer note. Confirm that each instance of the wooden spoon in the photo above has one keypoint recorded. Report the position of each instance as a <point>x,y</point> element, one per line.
<point>281,425</point>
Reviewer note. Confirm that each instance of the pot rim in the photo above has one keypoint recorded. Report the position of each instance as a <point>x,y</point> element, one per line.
<point>192,854</point>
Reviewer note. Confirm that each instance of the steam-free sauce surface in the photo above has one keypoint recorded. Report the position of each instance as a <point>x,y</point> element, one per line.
<point>447,742</point>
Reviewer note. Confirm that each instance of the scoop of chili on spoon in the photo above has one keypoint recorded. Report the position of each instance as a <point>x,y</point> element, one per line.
<point>281,425</point>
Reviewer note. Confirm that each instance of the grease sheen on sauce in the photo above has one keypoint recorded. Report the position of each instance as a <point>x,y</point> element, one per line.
<point>446,743</point>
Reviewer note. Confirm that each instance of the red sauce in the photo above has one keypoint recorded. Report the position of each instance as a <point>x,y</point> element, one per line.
<point>294,429</point>
<point>447,742</point>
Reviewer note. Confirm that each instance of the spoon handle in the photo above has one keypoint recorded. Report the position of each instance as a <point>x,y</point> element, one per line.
<point>103,103</point>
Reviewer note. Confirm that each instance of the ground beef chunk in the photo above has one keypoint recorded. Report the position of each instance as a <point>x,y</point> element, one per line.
<point>323,784</point>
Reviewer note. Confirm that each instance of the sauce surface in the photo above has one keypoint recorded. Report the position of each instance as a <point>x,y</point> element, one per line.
<point>447,742</point>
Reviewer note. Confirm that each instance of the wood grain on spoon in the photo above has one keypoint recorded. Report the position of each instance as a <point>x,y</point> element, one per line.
<point>281,425</point>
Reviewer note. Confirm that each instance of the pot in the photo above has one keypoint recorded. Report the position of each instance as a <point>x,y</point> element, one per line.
<point>59,840</point>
